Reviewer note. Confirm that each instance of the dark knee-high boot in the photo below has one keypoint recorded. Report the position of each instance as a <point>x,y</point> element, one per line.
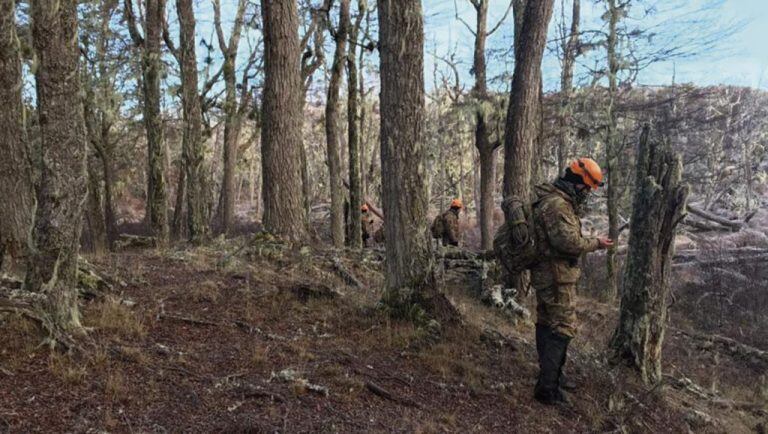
<point>551,347</point>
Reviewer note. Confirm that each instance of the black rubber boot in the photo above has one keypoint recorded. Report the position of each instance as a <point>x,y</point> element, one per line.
<point>551,347</point>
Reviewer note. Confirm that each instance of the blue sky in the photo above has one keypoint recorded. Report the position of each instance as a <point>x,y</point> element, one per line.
<point>741,59</point>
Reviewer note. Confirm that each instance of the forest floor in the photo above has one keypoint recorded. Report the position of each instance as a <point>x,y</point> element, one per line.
<point>259,337</point>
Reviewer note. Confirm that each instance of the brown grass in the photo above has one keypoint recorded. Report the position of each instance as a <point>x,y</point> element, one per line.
<point>116,318</point>
<point>66,369</point>
<point>205,292</point>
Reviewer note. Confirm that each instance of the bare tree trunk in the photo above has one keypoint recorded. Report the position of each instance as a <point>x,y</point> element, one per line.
<point>612,166</point>
<point>570,50</point>
<point>16,190</point>
<point>353,126</point>
<point>523,112</point>
<point>281,142</point>
<point>226,209</point>
<point>659,205</point>
<point>52,267</point>
<point>192,139</point>
<point>150,45</point>
<point>410,267</point>
<point>332,134</point>
<point>97,229</point>
<point>485,148</point>
<point>177,221</point>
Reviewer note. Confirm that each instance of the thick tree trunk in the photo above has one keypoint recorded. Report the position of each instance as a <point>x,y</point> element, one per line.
<point>409,261</point>
<point>658,206</point>
<point>16,192</point>
<point>332,135</point>
<point>281,142</point>
<point>355,240</point>
<point>192,139</point>
<point>52,268</point>
<point>522,116</point>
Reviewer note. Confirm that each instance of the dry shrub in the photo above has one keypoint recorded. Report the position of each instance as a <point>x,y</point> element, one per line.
<point>66,369</point>
<point>114,317</point>
<point>115,388</point>
<point>207,291</point>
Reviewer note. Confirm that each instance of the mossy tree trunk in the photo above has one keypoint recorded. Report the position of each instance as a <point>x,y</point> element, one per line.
<point>658,206</point>
<point>16,191</point>
<point>150,46</point>
<point>52,267</point>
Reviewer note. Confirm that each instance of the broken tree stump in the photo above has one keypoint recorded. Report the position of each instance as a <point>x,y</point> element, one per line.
<point>658,206</point>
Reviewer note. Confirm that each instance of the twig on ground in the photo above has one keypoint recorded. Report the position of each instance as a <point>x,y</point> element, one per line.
<point>383,393</point>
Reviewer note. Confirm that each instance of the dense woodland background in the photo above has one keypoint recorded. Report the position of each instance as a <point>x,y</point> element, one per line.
<point>160,147</point>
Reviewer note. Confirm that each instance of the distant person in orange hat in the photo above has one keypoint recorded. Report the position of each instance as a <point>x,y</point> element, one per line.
<point>445,227</point>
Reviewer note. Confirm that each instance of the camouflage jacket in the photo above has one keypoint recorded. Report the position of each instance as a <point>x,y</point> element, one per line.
<point>451,231</point>
<point>558,232</point>
<point>366,223</point>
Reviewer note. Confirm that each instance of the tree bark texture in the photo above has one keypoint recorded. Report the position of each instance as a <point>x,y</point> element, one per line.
<point>658,206</point>
<point>52,268</point>
<point>612,166</point>
<point>409,260</point>
<point>281,142</point>
<point>354,120</point>
<point>523,113</point>
<point>94,218</point>
<point>570,49</point>
<point>16,191</point>
<point>225,212</point>
<point>485,148</point>
<point>332,134</point>
<point>156,216</point>
<point>192,139</point>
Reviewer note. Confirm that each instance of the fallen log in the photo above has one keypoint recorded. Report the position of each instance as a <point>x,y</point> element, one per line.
<point>137,241</point>
<point>345,274</point>
<point>740,260</point>
<point>384,393</point>
<point>730,346</point>
<point>734,225</point>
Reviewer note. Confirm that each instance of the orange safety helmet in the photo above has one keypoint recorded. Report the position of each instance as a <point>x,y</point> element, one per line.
<point>589,171</point>
<point>364,208</point>
<point>456,203</point>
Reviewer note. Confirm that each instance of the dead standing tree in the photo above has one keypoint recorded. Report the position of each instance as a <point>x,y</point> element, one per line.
<point>658,206</point>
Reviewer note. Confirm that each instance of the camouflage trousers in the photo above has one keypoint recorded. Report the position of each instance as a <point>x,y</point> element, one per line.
<point>555,308</point>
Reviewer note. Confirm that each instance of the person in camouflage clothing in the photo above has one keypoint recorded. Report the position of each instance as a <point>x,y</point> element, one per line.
<point>445,227</point>
<point>366,224</point>
<point>558,231</point>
